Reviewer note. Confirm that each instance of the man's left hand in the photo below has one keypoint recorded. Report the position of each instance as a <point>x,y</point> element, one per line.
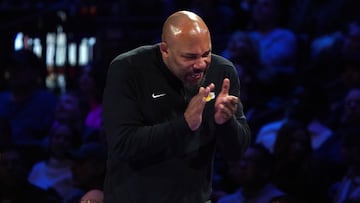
<point>225,104</point>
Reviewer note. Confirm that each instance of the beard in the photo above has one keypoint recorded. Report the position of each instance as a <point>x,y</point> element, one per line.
<point>190,90</point>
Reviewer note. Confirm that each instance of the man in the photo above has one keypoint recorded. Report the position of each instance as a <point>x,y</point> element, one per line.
<point>166,108</point>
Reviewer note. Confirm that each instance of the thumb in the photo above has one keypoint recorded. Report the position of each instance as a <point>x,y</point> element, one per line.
<point>225,87</point>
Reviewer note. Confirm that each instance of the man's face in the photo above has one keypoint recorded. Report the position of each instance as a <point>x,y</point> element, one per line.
<point>188,58</point>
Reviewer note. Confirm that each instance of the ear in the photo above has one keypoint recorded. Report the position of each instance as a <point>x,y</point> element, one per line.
<point>164,49</point>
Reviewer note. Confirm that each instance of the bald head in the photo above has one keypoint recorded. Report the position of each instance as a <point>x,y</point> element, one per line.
<point>183,23</point>
<point>186,47</point>
<point>94,195</point>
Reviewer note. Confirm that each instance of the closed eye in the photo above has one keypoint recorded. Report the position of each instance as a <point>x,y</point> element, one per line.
<point>195,56</point>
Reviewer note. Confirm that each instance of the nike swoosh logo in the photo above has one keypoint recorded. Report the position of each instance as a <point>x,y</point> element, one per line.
<point>157,95</point>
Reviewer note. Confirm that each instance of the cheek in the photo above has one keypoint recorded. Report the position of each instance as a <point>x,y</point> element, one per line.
<point>182,67</point>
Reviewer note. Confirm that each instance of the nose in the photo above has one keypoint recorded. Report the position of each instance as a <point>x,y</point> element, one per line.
<point>200,63</point>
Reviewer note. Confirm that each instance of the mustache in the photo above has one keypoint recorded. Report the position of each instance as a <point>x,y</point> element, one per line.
<point>198,71</point>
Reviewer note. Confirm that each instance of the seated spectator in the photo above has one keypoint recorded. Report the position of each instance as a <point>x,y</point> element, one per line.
<point>243,52</point>
<point>14,186</point>
<point>88,169</point>
<point>55,172</point>
<point>348,189</point>
<point>71,110</point>
<point>335,63</point>
<point>27,107</point>
<point>345,115</point>
<point>347,112</point>
<point>296,171</point>
<point>90,86</point>
<point>308,105</point>
<point>252,175</point>
<point>277,46</point>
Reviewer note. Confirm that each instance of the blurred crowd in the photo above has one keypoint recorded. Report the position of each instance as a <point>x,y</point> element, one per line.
<point>299,68</point>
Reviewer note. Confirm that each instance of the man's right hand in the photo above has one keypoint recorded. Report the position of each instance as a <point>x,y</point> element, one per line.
<point>193,113</point>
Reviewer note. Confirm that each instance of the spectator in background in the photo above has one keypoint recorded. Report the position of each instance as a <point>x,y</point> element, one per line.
<point>335,62</point>
<point>347,190</point>
<point>14,186</point>
<point>252,176</point>
<point>90,86</point>
<point>277,46</point>
<point>296,171</point>
<point>70,110</point>
<point>307,104</point>
<point>243,52</point>
<point>318,18</point>
<point>88,170</point>
<point>344,117</point>
<point>346,112</point>
<point>351,113</point>
<point>55,172</point>
<point>27,107</point>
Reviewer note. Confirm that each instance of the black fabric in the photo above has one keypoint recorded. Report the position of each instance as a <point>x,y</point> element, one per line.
<point>153,155</point>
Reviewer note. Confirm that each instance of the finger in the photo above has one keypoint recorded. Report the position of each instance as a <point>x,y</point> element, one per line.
<point>203,93</point>
<point>225,86</point>
<point>233,100</point>
<point>225,111</point>
<point>230,106</point>
<point>211,86</point>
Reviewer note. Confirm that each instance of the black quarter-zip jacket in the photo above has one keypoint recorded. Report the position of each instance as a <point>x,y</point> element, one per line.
<point>153,156</point>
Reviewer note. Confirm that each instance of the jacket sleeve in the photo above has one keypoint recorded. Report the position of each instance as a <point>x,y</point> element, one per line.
<point>234,136</point>
<point>129,137</point>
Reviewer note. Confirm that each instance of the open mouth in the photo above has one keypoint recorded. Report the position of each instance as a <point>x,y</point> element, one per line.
<point>196,76</point>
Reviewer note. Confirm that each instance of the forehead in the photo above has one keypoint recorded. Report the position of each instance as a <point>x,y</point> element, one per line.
<point>193,44</point>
